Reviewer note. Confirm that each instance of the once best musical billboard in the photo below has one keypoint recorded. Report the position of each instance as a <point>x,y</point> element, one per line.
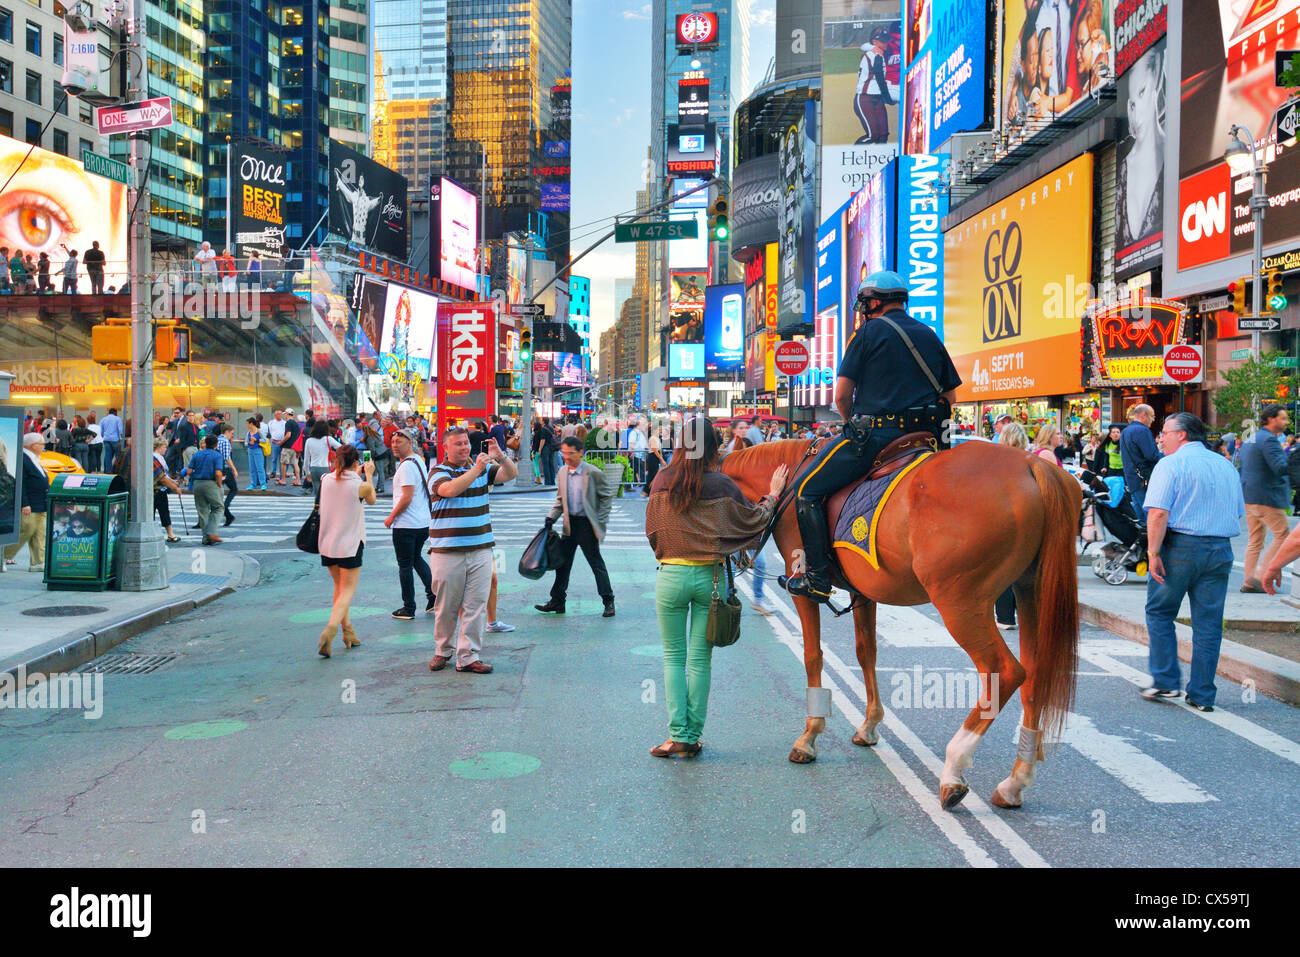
<point>257,192</point>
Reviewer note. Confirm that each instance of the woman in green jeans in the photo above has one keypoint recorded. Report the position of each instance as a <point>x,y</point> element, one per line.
<point>696,517</point>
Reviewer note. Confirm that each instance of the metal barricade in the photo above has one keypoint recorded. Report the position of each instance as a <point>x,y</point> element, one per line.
<point>633,467</point>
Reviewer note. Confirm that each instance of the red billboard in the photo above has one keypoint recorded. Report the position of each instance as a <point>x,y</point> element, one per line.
<point>697,31</point>
<point>466,362</point>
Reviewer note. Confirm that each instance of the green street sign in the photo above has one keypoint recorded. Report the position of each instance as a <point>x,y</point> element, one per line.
<point>656,231</point>
<point>1240,354</point>
<point>1286,362</point>
<point>1276,303</point>
<point>108,168</point>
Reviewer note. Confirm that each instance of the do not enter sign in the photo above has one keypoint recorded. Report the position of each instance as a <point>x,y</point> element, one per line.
<point>792,358</point>
<point>1184,364</point>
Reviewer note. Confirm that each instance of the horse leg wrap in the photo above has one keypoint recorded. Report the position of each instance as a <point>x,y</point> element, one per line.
<point>819,702</point>
<point>1030,747</point>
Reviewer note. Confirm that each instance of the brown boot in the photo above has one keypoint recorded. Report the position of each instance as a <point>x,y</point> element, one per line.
<point>350,639</point>
<point>326,639</point>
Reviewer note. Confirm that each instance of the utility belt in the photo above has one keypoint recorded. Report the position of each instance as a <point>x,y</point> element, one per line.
<point>921,418</point>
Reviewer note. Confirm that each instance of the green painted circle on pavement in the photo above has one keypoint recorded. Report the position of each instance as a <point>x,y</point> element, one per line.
<point>407,639</point>
<point>318,616</point>
<point>202,730</point>
<point>649,651</point>
<point>491,765</point>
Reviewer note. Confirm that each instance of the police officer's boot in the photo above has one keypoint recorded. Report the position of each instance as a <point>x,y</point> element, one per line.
<point>815,582</point>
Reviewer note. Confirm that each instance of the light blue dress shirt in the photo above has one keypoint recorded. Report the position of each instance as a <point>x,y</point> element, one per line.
<point>576,486</point>
<point>1200,490</point>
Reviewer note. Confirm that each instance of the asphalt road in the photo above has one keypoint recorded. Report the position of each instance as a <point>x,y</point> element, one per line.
<point>247,749</point>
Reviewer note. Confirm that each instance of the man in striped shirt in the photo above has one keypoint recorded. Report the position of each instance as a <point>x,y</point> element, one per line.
<point>460,558</point>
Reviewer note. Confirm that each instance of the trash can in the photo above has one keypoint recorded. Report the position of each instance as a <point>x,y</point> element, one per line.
<point>86,520</point>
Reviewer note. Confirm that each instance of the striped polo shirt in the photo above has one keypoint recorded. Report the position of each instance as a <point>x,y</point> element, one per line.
<point>460,524</point>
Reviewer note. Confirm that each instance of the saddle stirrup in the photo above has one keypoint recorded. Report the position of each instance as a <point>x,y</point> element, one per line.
<point>815,582</point>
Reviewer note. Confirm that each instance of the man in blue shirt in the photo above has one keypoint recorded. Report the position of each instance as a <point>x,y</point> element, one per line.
<point>111,430</point>
<point>1194,507</point>
<point>1138,450</point>
<point>205,472</point>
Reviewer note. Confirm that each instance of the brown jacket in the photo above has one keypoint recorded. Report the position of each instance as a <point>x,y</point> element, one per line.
<point>720,522</point>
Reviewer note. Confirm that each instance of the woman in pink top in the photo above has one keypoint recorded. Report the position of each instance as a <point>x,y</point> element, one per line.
<point>1046,442</point>
<point>343,538</point>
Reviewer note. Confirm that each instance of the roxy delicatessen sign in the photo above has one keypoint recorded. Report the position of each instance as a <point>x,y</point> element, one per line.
<point>1124,342</point>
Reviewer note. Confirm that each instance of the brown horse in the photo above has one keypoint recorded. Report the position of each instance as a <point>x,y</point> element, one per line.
<point>959,529</point>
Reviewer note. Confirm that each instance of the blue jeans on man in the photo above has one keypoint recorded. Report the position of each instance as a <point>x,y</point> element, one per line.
<point>1138,496</point>
<point>1196,566</point>
<point>110,454</point>
<point>274,470</point>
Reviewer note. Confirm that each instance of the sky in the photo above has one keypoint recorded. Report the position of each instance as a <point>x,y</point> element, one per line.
<point>611,130</point>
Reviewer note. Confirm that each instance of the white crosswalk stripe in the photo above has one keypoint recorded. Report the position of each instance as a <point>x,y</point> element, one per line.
<point>263,522</point>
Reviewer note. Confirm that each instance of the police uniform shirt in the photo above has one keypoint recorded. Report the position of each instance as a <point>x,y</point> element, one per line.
<point>886,376</point>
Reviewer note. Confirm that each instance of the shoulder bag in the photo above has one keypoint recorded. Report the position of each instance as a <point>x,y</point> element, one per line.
<point>724,612</point>
<point>309,535</point>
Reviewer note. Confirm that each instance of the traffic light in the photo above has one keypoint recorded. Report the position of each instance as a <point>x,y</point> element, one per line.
<point>1237,290</point>
<point>1273,294</point>
<point>719,224</point>
<point>110,342</point>
<point>525,346</point>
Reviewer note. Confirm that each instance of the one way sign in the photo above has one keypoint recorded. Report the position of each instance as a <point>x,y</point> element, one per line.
<point>146,115</point>
<point>1288,121</point>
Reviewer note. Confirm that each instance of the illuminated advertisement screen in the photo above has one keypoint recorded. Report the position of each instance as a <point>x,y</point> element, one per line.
<point>453,213</point>
<point>566,369</point>
<point>1054,59</point>
<point>921,209</point>
<point>368,298</point>
<point>724,328</point>
<point>53,202</point>
<point>698,200</point>
<point>869,231</point>
<point>685,360</point>
<point>410,325</point>
<point>946,89</point>
<point>687,289</point>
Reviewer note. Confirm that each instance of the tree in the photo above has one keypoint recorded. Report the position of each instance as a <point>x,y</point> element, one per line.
<point>1250,386</point>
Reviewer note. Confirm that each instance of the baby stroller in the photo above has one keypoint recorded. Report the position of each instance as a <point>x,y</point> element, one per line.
<point>1128,550</point>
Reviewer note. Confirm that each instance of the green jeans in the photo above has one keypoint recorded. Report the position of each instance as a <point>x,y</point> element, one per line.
<point>682,591</point>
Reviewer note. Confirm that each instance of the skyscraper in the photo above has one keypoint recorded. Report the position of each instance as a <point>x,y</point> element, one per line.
<point>724,63</point>
<point>508,111</point>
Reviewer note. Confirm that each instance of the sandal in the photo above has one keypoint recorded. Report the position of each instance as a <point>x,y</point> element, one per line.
<point>173,540</point>
<point>670,748</point>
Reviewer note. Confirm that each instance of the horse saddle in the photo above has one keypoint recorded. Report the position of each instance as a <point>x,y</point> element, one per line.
<point>852,512</point>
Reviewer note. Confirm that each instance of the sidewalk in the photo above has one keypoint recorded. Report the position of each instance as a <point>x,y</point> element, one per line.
<point>50,631</point>
<point>1261,632</point>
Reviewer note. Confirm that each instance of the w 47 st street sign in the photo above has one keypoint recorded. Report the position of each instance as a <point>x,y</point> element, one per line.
<point>149,114</point>
<point>656,231</point>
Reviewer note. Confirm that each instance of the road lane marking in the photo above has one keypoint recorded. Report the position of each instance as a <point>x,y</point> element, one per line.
<point>1270,741</point>
<point>925,799</point>
<point>1130,765</point>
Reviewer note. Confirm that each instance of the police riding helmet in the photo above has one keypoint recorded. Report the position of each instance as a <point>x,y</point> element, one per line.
<point>885,286</point>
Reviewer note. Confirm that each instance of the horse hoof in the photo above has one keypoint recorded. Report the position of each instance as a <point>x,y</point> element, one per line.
<point>950,795</point>
<point>999,800</point>
<point>801,757</point>
<point>866,740</point>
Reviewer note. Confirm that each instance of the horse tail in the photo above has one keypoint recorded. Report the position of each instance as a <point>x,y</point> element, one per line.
<point>1056,589</point>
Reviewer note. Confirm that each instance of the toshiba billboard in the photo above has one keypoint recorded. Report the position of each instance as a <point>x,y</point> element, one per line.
<point>466,362</point>
<point>1220,72</point>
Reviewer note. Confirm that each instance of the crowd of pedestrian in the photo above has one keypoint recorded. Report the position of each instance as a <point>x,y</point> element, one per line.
<point>23,274</point>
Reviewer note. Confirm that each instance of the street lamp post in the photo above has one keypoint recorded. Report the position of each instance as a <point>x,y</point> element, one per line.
<point>1242,159</point>
<point>144,550</point>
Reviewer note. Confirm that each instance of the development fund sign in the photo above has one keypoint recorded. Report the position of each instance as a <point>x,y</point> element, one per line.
<point>466,339</point>
<point>1015,286</point>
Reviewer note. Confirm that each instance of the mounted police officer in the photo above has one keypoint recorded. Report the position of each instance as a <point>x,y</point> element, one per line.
<point>896,377</point>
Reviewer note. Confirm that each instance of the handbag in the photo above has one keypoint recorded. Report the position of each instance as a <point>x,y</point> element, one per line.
<point>309,534</point>
<point>266,447</point>
<point>723,627</point>
<point>512,443</point>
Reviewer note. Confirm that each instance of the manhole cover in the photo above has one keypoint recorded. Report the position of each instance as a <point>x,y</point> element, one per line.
<point>64,611</point>
<point>127,664</point>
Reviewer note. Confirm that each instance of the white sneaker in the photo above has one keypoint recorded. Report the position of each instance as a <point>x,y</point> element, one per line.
<point>499,627</point>
<point>763,608</point>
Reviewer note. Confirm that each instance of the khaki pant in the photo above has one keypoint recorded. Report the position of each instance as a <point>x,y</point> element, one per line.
<point>1261,519</point>
<point>207,502</point>
<point>31,532</point>
<point>461,582</point>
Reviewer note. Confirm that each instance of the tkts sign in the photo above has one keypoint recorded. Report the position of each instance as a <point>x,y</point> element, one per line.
<point>466,347</point>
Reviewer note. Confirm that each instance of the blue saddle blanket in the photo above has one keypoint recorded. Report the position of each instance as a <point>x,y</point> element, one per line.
<point>856,527</point>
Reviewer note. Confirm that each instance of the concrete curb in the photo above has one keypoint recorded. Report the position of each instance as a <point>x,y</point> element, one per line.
<point>1272,675</point>
<point>64,655</point>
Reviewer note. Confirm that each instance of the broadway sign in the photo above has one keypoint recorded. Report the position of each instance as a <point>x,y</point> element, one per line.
<point>257,199</point>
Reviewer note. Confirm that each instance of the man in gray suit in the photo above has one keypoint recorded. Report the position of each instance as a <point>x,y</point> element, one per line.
<point>584,499</point>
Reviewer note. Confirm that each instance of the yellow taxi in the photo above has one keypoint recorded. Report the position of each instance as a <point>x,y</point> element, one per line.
<point>56,464</point>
